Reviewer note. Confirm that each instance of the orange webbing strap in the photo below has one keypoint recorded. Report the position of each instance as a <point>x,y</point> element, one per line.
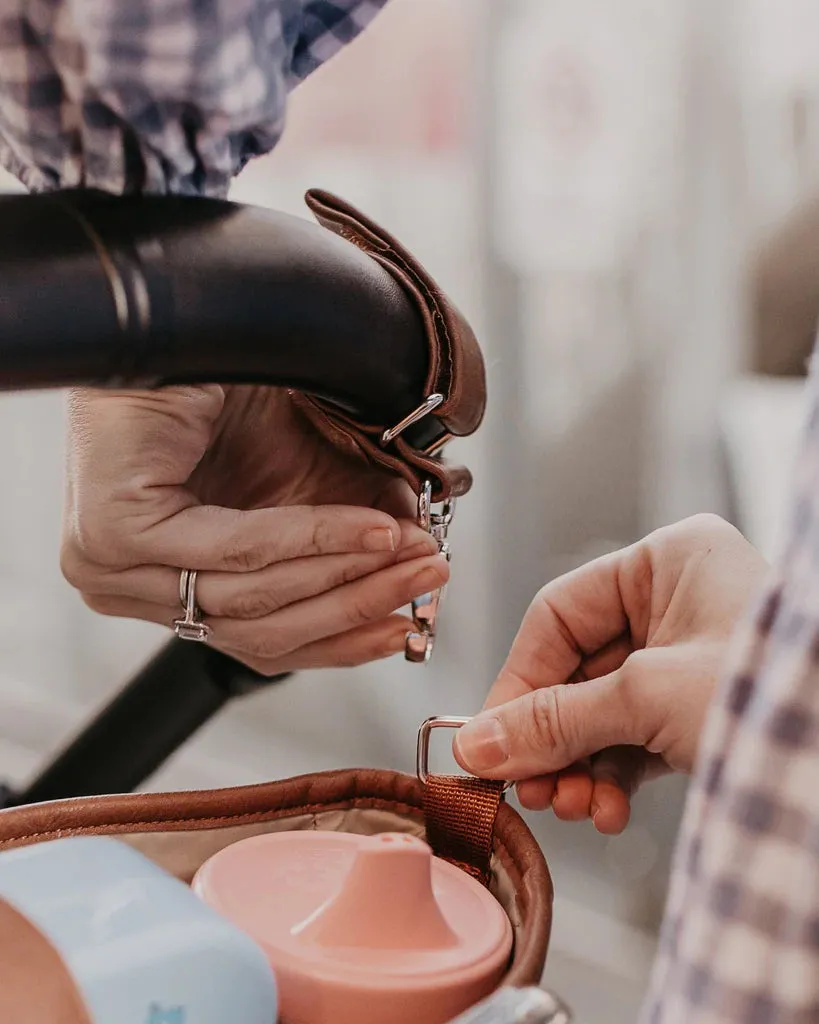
<point>460,816</point>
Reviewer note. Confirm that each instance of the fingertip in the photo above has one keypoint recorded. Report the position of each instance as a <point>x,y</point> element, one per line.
<point>442,566</point>
<point>411,535</point>
<point>573,795</point>
<point>361,646</point>
<point>431,574</point>
<point>536,794</point>
<point>396,629</point>
<point>480,747</point>
<point>409,554</point>
<point>460,760</point>
<point>611,809</point>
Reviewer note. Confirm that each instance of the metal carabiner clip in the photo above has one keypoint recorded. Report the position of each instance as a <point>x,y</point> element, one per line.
<point>420,642</point>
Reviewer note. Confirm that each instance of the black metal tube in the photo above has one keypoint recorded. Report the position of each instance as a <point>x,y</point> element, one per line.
<point>179,690</point>
<point>148,290</point>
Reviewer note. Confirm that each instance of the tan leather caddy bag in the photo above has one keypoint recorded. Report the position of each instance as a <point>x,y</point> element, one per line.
<point>464,820</point>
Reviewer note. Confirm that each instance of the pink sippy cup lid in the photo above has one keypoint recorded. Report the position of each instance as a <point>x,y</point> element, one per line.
<point>361,929</point>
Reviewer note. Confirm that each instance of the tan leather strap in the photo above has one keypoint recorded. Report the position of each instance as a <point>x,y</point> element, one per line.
<point>35,987</point>
<point>460,814</point>
<point>456,369</point>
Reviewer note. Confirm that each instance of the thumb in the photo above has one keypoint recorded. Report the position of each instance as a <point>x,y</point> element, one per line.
<point>548,729</point>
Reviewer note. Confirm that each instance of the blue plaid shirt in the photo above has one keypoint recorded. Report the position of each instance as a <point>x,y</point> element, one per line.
<point>156,95</point>
<point>740,940</point>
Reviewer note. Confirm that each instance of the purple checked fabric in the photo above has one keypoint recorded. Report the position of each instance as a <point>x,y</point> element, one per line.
<point>156,95</point>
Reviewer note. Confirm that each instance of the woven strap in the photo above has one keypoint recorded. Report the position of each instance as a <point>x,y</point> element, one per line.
<point>460,816</point>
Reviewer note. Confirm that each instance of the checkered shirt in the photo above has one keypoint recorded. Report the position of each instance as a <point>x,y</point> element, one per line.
<point>740,941</point>
<point>156,95</point>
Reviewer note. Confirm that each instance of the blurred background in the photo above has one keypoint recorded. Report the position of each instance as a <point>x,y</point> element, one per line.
<point>624,200</point>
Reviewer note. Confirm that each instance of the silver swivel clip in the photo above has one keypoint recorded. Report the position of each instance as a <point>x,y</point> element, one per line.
<point>420,642</point>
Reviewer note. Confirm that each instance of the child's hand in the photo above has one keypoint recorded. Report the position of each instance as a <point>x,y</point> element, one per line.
<point>612,672</point>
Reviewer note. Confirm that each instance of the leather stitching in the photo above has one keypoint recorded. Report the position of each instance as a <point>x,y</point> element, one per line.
<point>390,253</point>
<point>131,827</point>
<point>365,803</point>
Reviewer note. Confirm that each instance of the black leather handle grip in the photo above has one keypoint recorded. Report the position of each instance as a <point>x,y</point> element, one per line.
<point>143,291</point>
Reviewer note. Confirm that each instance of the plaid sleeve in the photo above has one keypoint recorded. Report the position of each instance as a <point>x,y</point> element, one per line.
<point>156,95</point>
<point>740,941</point>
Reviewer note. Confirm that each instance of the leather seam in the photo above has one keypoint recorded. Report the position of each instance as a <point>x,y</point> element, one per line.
<point>391,255</point>
<point>364,803</point>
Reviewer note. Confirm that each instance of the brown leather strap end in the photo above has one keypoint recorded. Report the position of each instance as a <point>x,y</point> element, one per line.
<point>448,480</point>
<point>455,367</point>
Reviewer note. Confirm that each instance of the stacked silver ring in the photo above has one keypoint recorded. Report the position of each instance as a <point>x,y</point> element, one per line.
<point>191,626</point>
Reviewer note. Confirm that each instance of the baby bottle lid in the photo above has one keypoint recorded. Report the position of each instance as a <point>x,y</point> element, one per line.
<point>361,929</point>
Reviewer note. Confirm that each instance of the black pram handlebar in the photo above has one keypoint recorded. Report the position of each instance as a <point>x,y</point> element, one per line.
<point>143,291</point>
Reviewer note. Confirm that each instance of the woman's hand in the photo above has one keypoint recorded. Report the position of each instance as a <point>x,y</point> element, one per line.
<point>303,554</point>
<point>610,677</point>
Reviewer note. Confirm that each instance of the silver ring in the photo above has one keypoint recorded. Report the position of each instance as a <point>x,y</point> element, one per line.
<point>191,627</point>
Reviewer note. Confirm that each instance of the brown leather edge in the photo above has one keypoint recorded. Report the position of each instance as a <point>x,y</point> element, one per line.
<point>456,364</point>
<point>35,985</point>
<point>513,843</point>
<point>449,480</point>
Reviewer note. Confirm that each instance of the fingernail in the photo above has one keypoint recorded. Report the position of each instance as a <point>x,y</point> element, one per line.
<point>428,579</point>
<point>378,540</point>
<point>482,744</point>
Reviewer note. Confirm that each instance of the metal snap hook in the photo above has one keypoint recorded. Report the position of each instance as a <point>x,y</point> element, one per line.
<point>420,643</point>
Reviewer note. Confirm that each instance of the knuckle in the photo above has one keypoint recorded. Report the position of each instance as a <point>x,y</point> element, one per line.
<point>347,573</point>
<point>241,558</point>
<point>355,659</point>
<point>631,684</point>
<point>353,655</point>
<point>323,527</point>
<point>73,565</point>
<point>86,540</point>
<point>264,666</point>
<point>268,645</point>
<point>550,622</point>
<point>206,401</point>
<point>359,610</point>
<point>547,725</point>
<point>251,604</point>
<point>635,668</point>
<point>100,541</point>
<point>708,521</point>
<point>97,603</point>
<point>704,526</point>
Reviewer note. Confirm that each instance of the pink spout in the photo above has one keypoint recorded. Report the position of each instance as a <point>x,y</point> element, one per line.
<point>386,901</point>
